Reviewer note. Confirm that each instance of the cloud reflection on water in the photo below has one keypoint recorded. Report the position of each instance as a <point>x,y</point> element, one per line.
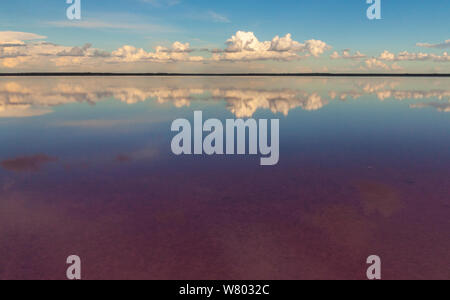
<point>27,97</point>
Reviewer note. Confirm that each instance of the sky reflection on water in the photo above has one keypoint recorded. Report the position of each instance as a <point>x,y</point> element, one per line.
<point>86,169</point>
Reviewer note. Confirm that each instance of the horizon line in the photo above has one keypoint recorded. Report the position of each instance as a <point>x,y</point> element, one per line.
<point>143,74</point>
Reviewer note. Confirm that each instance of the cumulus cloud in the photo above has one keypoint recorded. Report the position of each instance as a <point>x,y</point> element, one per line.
<point>75,51</point>
<point>285,44</point>
<point>177,47</point>
<point>373,63</point>
<point>386,55</point>
<point>23,50</point>
<point>407,56</point>
<point>316,47</point>
<point>14,53</point>
<point>179,52</point>
<point>11,52</point>
<point>346,54</point>
<point>443,45</point>
<point>245,46</point>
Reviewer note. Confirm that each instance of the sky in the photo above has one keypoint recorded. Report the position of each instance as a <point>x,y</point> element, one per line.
<point>225,36</point>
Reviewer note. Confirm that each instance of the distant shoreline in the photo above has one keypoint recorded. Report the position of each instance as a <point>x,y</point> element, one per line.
<point>69,74</point>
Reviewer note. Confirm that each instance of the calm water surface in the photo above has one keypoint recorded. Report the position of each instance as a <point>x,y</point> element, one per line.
<point>86,169</point>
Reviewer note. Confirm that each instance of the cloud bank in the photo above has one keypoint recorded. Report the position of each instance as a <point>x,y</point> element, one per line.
<point>443,45</point>
<point>29,51</point>
<point>18,48</point>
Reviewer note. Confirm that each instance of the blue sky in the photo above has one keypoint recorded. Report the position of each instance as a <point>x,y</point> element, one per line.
<point>146,24</point>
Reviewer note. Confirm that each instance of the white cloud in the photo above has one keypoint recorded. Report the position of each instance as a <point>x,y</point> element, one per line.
<point>22,50</point>
<point>285,44</point>
<point>42,53</point>
<point>443,45</point>
<point>407,56</point>
<point>346,54</point>
<point>75,51</point>
<point>14,37</point>
<point>178,52</point>
<point>245,46</point>
<point>445,57</point>
<point>373,63</point>
<point>177,47</point>
<point>18,48</point>
<point>316,47</point>
<point>386,55</point>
